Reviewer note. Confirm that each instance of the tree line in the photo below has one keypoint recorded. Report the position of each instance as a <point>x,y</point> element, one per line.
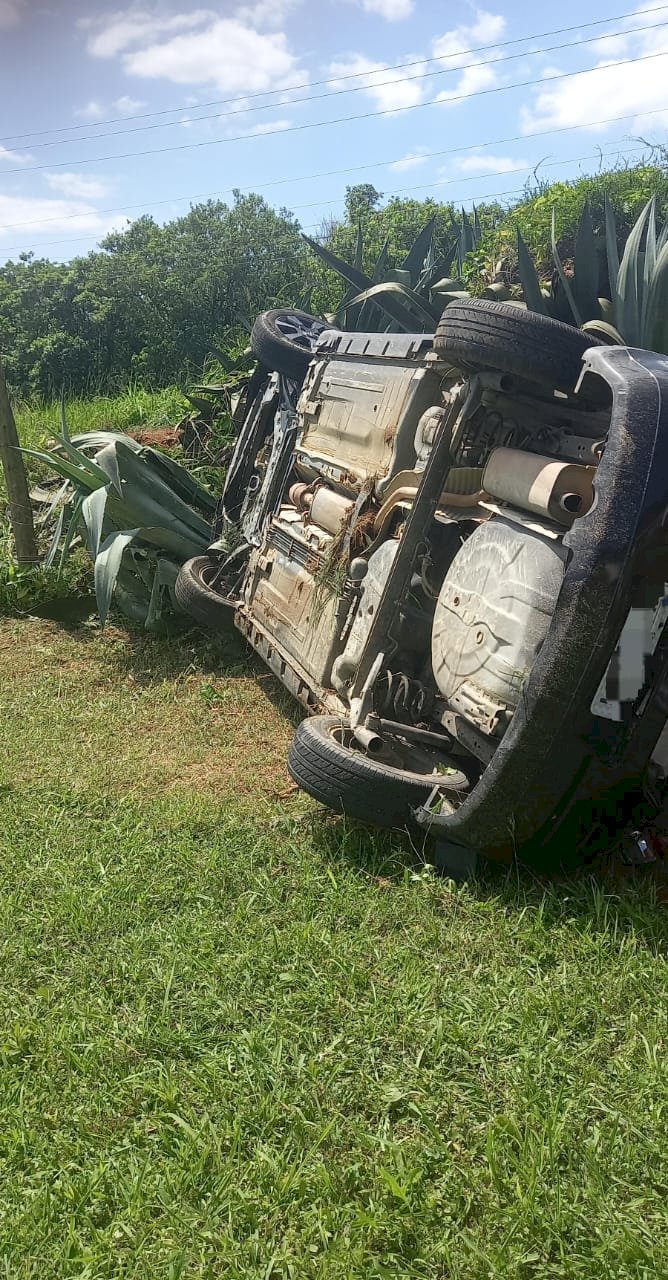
<point>154,300</point>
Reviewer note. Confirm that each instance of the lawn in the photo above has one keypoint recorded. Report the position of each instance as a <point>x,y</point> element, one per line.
<point>241,1038</point>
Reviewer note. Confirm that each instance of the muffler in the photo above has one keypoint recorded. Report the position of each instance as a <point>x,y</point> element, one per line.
<point>561,490</point>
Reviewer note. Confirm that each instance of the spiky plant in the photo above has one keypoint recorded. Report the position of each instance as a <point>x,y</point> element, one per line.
<point>139,513</point>
<point>636,314</point>
<point>409,298</point>
<point>572,299</point>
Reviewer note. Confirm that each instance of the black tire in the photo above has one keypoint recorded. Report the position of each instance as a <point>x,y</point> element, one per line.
<point>493,335</point>
<point>351,782</point>
<point>283,340</point>
<point>196,598</point>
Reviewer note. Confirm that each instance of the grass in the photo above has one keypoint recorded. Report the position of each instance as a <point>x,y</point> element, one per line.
<point>242,1038</point>
<point>23,588</point>
<point>135,407</point>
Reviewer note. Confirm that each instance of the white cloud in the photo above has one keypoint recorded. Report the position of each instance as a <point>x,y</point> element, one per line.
<point>44,215</point>
<point>374,77</point>
<point>79,185</point>
<point>391,10</point>
<point>126,106</point>
<point>227,54</point>
<point>199,47</point>
<point>451,48</point>
<point>10,12</point>
<point>15,157</point>
<point>110,35</point>
<point>92,110</point>
<point>633,88</point>
<point>480,162</point>
<point>267,13</point>
<point>410,161</point>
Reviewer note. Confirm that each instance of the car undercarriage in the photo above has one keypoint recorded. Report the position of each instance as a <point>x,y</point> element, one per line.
<point>450,548</point>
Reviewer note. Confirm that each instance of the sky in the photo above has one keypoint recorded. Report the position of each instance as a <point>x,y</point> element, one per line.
<point>108,112</point>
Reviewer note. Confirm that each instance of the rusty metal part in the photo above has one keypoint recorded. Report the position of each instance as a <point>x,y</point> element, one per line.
<point>560,490</point>
<point>463,492</point>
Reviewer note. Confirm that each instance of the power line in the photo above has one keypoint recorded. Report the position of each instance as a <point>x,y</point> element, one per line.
<point>336,93</point>
<point>399,66</point>
<point>212,195</point>
<point>482,199</point>
<point>320,124</point>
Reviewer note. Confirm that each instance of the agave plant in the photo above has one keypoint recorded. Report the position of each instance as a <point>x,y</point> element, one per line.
<point>139,513</point>
<point>409,298</point>
<point>572,299</point>
<point>638,312</point>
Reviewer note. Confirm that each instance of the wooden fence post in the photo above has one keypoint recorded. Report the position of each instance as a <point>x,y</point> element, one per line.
<point>20,508</point>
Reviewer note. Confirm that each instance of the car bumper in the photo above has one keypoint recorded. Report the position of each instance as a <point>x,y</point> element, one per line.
<point>557,752</point>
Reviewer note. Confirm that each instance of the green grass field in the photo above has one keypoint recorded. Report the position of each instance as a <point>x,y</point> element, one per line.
<point>241,1038</point>
<point>135,407</point>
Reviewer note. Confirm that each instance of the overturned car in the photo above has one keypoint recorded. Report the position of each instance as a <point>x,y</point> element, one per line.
<point>451,550</point>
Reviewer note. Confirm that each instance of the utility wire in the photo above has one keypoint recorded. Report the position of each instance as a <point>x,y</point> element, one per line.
<point>213,195</point>
<point>482,199</point>
<point>336,93</point>
<point>399,66</point>
<point>321,124</point>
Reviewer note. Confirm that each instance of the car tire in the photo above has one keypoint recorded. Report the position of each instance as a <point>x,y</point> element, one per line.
<point>345,779</point>
<point>495,335</point>
<point>283,340</point>
<point>197,599</point>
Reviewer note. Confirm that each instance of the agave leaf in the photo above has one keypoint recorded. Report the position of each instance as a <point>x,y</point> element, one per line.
<point>531,290</point>
<point>54,502</point>
<point>107,568</point>
<point>611,249</point>
<point>72,527</point>
<point>655,335</point>
<point>662,238</point>
<point>164,579</point>
<point>79,476</point>
<point>431,275</point>
<point>414,261</point>
<point>386,295</point>
<point>350,273</point>
<point>55,541</point>
<point>399,276</point>
<point>381,264</point>
<point>93,511</point>
<point>136,473</point>
<point>585,282</point>
<point>448,285</point>
<point>98,440</point>
<point>80,459</point>
<point>606,332</point>
<point>444,299</point>
<point>149,512</point>
<point>477,229</point>
<point>629,284</point>
<point>563,277</point>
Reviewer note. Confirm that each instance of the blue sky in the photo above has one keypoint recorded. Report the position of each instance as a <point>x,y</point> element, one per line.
<point>459,124</point>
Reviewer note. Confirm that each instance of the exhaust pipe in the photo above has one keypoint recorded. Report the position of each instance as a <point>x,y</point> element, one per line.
<point>372,742</point>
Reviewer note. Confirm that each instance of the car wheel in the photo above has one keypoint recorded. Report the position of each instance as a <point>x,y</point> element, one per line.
<point>196,597</point>
<point>283,340</point>
<point>326,761</point>
<point>495,335</point>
